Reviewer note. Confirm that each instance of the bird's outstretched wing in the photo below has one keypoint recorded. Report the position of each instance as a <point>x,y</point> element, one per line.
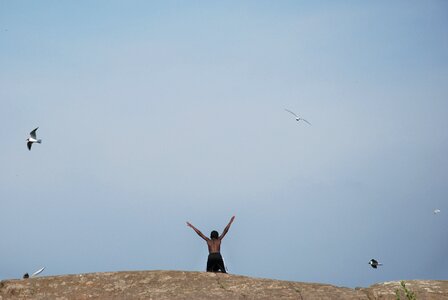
<point>305,121</point>
<point>291,112</point>
<point>33,133</point>
<point>38,272</point>
<point>29,144</point>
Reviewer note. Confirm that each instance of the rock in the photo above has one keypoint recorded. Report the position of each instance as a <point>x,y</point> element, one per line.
<point>200,285</point>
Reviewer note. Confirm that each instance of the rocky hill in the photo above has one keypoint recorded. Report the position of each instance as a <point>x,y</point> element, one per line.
<point>200,285</point>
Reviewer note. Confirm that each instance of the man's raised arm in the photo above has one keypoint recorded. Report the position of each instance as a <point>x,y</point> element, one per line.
<point>198,232</point>
<point>227,228</point>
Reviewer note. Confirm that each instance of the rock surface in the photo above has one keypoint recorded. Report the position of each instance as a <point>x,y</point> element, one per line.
<point>200,285</point>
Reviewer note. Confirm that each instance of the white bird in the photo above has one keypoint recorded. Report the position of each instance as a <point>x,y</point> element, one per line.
<point>297,117</point>
<point>38,272</point>
<point>436,211</point>
<point>374,263</point>
<point>32,139</point>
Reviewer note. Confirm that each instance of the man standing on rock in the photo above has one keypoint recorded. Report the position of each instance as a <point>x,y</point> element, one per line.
<point>214,262</point>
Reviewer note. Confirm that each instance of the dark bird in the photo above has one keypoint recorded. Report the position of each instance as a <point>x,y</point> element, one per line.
<point>32,139</point>
<point>374,263</point>
<point>297,117</point>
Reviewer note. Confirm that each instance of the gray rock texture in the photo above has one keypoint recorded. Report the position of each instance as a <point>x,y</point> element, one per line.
<point>200,285</point>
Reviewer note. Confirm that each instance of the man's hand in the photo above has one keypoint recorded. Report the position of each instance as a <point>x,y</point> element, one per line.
<point>224,232</point>
<point>198,231</point>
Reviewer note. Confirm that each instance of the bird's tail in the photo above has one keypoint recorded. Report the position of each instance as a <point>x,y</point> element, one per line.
<point>39,141</point>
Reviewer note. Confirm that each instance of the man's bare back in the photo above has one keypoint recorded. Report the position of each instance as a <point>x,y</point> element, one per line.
<point>214,245</point>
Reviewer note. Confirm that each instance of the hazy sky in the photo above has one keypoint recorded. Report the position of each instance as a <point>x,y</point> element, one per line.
<point>154,113</point>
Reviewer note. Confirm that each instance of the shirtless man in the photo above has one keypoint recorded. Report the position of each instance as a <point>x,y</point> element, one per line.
<point>214,262</point>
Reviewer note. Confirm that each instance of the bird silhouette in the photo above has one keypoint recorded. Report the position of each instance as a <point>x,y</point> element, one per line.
<point>374,263</point>
<point>32,139</point>
<point>297,117</point>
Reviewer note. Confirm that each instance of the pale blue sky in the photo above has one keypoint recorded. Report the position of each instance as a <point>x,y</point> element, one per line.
<point>156,113</point>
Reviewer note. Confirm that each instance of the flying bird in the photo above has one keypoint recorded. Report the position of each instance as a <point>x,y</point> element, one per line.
<point>374,263</point>
<point>26,275</point>
<point>38,272</point>
<point>436,211</point>
<point>33,139</point>
<point>297,117</point>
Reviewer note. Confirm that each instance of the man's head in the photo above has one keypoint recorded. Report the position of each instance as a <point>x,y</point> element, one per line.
<point>214,235</point>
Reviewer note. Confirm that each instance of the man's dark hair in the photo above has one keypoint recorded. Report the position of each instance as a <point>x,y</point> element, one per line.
<point>214,235</point>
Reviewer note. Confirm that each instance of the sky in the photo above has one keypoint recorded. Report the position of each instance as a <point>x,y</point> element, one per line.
<point>154,113</point>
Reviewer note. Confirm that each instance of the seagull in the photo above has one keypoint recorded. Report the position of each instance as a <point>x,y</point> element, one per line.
<point>436,211</point>
<point>374,263</point>
<point>38,272</point>
<point>297,117</point>
<point>32,139</point>
<point>26,275</point>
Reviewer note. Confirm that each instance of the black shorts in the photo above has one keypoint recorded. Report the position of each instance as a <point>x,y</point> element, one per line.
<point>215,263</point>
